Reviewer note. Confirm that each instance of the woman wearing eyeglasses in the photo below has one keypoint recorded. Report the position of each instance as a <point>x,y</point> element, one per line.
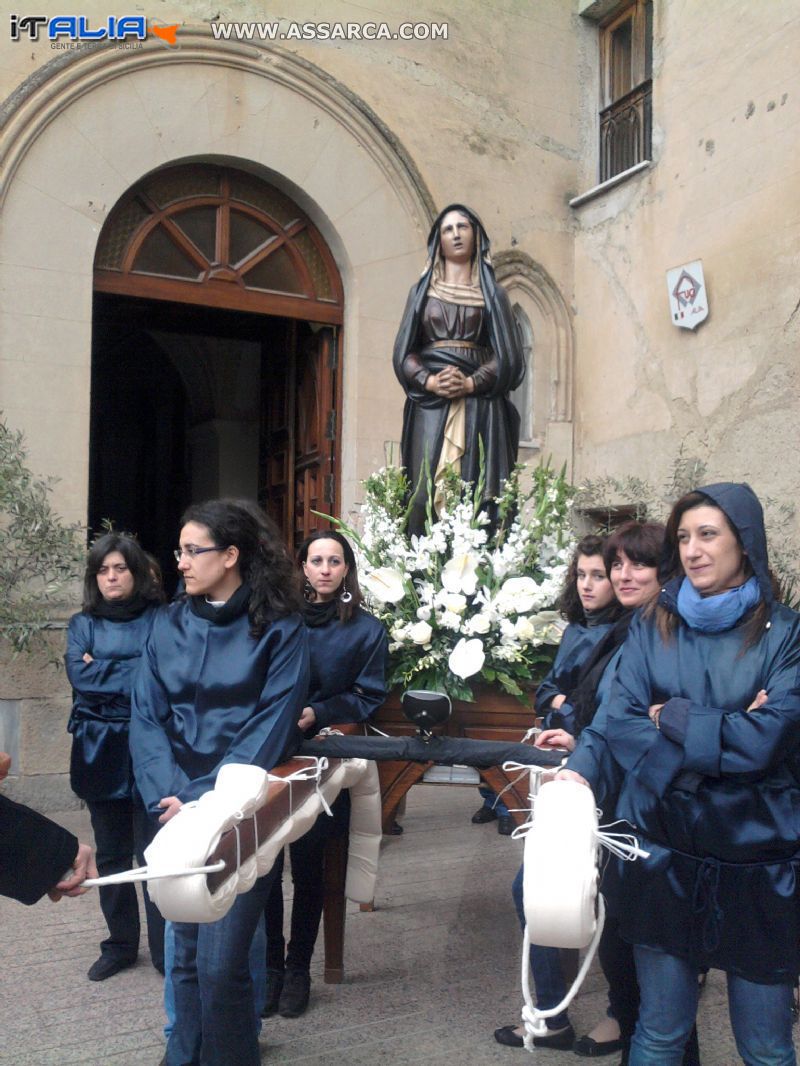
<point>223,680</point>
<point>104,647</point>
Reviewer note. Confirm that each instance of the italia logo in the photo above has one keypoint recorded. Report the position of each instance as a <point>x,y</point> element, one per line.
<point>78,28</point>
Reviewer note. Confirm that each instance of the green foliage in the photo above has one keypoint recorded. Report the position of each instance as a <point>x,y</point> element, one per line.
<point>39,553</point>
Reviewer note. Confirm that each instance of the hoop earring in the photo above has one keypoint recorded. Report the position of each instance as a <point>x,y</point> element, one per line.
<point>344,595</point>
<point>308,591</point>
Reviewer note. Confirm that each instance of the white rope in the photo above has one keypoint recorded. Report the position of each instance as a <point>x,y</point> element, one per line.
<point>533,1019</point>
<point>141,873</point>
<point>624,845</point>
<point>310,773</point>
<point>511,767</point>
<point>563,839</point>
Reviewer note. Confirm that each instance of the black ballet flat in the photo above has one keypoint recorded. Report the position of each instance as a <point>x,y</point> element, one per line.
<point>507,1037</point>
<point>557,1040</point>
<point>595,1049</point>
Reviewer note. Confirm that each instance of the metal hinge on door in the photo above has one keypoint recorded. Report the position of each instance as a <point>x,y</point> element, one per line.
<point>328,489</point>
<point>330,426</point>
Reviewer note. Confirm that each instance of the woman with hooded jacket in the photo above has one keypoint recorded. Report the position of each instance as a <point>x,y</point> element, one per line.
<point>702,739</point>
<point>458,356</point>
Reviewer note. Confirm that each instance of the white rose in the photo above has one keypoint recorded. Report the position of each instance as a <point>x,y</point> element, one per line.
<point>481,623</point>
<point>454,602</point>
<point>419,633</point>
<point>424,614</point>
<point>518,594</point>
<point>524,628</point>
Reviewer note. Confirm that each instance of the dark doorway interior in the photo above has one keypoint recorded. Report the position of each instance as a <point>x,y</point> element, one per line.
<point>191,402</point>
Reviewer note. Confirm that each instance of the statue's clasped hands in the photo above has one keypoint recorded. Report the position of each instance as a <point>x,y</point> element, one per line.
<point>450,384</point>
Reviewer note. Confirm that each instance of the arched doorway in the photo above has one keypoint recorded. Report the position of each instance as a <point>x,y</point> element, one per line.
<point>216,364</point>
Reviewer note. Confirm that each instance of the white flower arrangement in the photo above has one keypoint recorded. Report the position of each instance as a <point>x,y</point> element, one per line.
<point>467,600</point>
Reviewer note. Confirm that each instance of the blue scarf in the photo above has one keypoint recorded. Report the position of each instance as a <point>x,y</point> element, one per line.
<point>715,614</point>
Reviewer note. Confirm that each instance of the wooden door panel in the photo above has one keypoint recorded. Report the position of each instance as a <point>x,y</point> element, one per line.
<point>300,390</point>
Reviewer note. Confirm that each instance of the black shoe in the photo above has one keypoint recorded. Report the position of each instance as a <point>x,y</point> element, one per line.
<point>107,965</point>
<point>560,1040</point>
<point>295,994</point>
<point>395,829</point>
<point>484,815</point>
<point>507,1037</point>
<point>505,825</point>
<point>557,1039</point>
<point>594,1049</point>
<point>274,989</point>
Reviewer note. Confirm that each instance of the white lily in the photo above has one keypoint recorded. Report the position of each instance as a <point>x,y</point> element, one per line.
<point>460,573</point>
<point>385,584</point>
<point>467,657</point>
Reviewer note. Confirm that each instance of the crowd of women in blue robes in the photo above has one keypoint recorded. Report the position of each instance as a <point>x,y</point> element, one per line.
<point>236,669</point>
<point>674,694</point>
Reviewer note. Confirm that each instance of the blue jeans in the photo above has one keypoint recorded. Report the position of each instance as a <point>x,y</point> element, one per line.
<point>257,972</point>
<point>761,1015</point>
<point>215,1016</point>
<point>548,974</point>
<point>491,801</point>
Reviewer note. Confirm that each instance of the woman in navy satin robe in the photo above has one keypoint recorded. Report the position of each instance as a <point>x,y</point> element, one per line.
<point>347,650</point>
<point>223,680</point>
<point>703,738</point>
<point>105,641</point>
<point>590,607</point>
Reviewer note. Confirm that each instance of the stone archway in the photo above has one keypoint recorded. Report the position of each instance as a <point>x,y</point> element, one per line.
<point>92,124</point>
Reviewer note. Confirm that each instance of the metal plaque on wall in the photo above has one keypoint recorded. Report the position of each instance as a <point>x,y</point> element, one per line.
<point>688,298</point>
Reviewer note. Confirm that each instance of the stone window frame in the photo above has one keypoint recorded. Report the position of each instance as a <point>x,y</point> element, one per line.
<point>625,109</point>
<point>549,377</point>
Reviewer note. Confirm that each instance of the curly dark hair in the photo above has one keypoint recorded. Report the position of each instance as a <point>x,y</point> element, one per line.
<point>569,603</point>
<point>346,610</point>
<point>264,562</point>
<point>146,580</point>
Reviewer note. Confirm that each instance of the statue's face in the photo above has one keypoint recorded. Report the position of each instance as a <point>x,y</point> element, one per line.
<point>456,237</point>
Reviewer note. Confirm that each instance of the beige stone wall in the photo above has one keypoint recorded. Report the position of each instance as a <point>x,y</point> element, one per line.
<point>486,116</point>
<point>369,137</point>
<point>724,188</point>
<point>34,708</point>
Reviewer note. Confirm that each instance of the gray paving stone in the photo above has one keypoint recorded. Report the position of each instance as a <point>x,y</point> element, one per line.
<point>429,974</point>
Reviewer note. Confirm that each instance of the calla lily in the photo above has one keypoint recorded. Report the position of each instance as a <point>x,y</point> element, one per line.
<point>385,584</point>
<point>460,574</point>
<point>467,657</point>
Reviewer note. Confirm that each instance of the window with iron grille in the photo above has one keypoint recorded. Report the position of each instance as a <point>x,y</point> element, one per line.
<point>626,58</point>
